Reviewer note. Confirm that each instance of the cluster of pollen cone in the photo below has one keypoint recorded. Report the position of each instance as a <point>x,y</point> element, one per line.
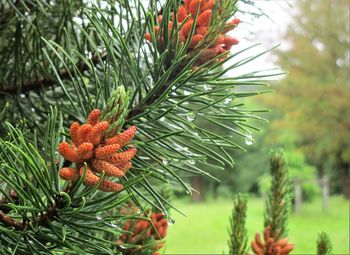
<point>186,14</point>
<point>144,229</point>
<point>270,246</point>
<point>94,154</point>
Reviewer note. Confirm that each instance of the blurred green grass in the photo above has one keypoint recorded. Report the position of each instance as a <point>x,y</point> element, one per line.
<point>205,229</point>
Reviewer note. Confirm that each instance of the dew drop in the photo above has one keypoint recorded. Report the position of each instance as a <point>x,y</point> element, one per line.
<point>191,116</point>
<point>114,224</point>
<point>122,247</point>
<point>165,162</point>
<point>100,215</point>
<point>192,162</point>
<point>100,48</point>
<point>249,140</point>
<point>171,221</point>
<point>185,149</point>
<point>228,100</point>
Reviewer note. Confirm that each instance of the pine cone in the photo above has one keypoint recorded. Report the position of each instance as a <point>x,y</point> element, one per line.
<point>88,145</point>
<point>271,246</point>
<point>187,13</point>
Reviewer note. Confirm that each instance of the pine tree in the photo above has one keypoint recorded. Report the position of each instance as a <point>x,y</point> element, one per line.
<point>278,202</point>
<point>98,111</point>
<point>324,245</point>
<point>276,214</point>
<point>314,96</point>
<point>238,232</point>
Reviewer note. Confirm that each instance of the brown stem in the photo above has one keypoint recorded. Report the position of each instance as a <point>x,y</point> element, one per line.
<point>5,200</point>
<point>8,221</point>
<point>43,220</point>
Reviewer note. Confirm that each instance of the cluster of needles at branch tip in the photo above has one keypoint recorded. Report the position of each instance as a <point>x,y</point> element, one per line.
<point>186,18</point>
<point>94,154</point>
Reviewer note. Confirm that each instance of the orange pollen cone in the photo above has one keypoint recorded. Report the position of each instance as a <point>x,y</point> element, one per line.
<point>106,151</point>
<point>69,174</point>
<point>109,169</point>
<point>93,117</point>
<point>68,152</point>
<point>100,156</point>
<point>122,157</point>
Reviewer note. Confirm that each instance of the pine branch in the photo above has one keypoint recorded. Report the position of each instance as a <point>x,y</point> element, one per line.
<point>277,205</point>
<point>142,107</point>
<point>36,85</point>
<point>169,89</point>
<point>276,214</point>
<point>11,198</point>
<point>45,212</point>
<point>3,113</point>
<point>238,232</point>
<point>9,222</point>
<point>324,245</point>
<point>4,210</point>
<point>43,220</point>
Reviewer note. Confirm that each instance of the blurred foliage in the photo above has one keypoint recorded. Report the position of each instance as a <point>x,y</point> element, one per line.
<point>241,177</point>
<point>298,168</point>
<point>324,244</point>
<point>237,229</point>
<point>310,111</point>
<point>313,100</point>
<point>192,235</point>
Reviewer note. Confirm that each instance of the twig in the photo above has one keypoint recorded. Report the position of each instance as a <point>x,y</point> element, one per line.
<point>8,221</point>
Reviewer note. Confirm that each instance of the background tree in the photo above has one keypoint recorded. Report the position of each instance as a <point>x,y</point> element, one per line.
<point>313,99</point>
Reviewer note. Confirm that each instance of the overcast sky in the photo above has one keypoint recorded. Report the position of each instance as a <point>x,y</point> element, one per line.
<point>265,30</point>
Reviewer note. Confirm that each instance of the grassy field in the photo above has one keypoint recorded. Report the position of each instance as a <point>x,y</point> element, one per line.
<point>204,230</point>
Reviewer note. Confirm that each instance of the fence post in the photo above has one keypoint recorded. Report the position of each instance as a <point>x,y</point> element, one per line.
<point>197,195</point>
<point>325,193</point>
<point>298,195</point>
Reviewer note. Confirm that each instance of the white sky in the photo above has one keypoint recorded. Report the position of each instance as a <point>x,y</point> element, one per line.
<point>265,30</point>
